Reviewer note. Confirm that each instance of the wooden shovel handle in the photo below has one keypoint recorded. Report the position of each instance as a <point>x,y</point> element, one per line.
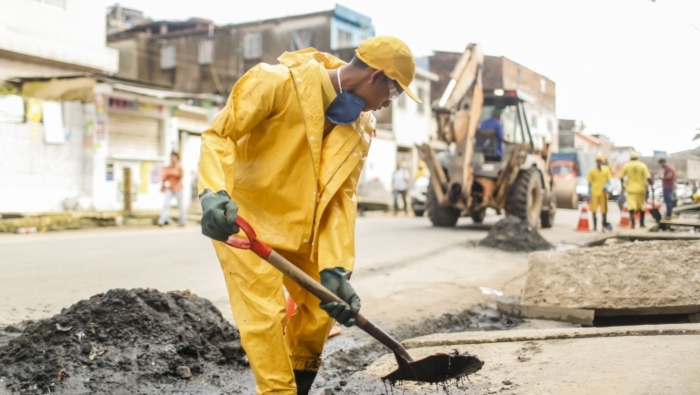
<point>308,283</point>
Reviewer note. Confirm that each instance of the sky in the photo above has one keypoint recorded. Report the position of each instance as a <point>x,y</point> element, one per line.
<point>629,69</point>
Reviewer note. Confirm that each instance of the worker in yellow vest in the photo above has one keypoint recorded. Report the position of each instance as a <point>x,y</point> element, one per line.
<point>638,177</point>
<point>598,179</point>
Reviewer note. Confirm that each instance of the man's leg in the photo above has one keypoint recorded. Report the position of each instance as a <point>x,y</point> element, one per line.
<point>163,218</point>
<point>632,219</point>
<point>258,305</point>
<point>181,206</point>
<point>593,206</point>
<point>307,329</point>
<point>403,196</point>
<point>396,201</point>
<point>595,221</point>
<point>604,213</point>
<point>668,200</point>
<point>635,202</point>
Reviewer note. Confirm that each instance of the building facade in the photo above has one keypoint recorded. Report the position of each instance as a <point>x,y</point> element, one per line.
<point>197,56</point>
<point>80,134</point>
<point>32,45</point>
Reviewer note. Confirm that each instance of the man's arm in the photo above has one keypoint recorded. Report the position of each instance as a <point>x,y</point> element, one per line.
<point>253,98</point>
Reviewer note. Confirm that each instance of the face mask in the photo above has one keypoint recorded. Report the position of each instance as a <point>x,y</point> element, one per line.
<point>345,108</point>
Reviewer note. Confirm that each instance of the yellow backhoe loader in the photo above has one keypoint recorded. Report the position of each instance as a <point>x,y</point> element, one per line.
<point>469,177</point>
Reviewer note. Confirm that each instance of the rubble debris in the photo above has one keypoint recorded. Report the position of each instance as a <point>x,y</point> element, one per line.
<point>515,235</point>
<point>650,277</point>
<point>125,341</point>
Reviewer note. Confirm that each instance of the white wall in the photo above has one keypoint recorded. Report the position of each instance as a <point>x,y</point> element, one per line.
<point>380,162</point>
<point>36,176</point>
<point>410,126</point>
<point>542,129</point>
<point>74,34</point>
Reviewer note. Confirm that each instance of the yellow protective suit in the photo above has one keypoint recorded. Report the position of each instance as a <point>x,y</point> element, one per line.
<point>266,149</point>
<point>599,198</point>
<point>637,174</point>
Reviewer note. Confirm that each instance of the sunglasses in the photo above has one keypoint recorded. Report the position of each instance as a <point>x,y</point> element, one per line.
<point>394,92</point>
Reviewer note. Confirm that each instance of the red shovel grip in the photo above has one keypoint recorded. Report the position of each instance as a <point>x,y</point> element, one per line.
<point>251,243</point>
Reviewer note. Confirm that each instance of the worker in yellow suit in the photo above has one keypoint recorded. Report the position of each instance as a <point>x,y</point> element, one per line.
<point>286,153</point>
<point>598,179</point>
<point>638,177</point>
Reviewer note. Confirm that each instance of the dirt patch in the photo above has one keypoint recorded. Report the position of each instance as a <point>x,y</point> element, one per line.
<point>148,342</point>
<point>515,235</point>
<point>127,342</point>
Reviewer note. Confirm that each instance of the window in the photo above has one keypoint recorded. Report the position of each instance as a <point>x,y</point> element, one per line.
<point>421,93</point>
<point>55,3</point>
<point>543,85</point>
<point>533,121</point>
<point>550,126</point>
<point>206,52</point>
<point>344,39</point>
<point>167,57</point>
<point>252,46</point>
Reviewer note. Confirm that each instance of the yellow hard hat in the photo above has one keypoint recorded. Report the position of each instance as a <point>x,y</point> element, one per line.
<point>599,157</point>
<point>393,57</point>
<point>634,155</point>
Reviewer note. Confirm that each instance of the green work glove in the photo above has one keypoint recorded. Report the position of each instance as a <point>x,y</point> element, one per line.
<point>336,281</point>
<point>219,215</point>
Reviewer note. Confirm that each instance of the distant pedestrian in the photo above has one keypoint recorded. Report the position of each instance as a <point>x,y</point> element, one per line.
<point>598,179</point>
<point>668,183</point>
<point>172,186</point>
<point>400,184</point>
<point>638,177</point>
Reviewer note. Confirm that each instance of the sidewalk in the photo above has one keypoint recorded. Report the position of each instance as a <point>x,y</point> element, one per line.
<point>71,220</point>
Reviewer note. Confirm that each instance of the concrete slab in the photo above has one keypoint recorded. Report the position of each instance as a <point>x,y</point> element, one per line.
<point>638,275</point>
<point>620,361</point>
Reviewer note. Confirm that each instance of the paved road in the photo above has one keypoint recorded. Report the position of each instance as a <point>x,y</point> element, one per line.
<point>403,266</point>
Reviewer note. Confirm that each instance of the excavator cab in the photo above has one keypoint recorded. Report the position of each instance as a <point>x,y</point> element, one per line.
<point>486,161</point>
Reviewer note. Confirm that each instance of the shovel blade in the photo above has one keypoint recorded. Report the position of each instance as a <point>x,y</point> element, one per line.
<point>435,368</point>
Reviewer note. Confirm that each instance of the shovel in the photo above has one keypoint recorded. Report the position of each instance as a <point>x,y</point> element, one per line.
<point>433,369</point>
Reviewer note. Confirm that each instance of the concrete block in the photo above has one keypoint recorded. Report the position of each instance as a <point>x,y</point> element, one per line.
<point>639,275</point>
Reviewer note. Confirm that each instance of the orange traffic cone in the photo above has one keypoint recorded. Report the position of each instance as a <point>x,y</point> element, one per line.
<point>583,224</point>
<point>624,217</point>
<point>292,308</point>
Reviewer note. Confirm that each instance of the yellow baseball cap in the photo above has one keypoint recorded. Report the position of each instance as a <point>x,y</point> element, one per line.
<point>599,157</point>
<point>393,57</point>
<point>634,155</point>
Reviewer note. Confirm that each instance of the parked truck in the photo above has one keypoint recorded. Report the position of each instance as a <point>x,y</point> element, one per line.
<point>570,171</point>
<point>468,178</point>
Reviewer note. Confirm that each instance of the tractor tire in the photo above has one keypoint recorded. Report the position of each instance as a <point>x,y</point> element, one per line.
<point>526,195</point>
<point>547,216</point>
<point>478,216</point>
<point>439,215</point>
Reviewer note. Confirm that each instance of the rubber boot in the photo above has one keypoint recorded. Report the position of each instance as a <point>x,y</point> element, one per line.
<point>304,379</point>
<point>606,225</point>
<point>632,219</point>
<point>641,219</point>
